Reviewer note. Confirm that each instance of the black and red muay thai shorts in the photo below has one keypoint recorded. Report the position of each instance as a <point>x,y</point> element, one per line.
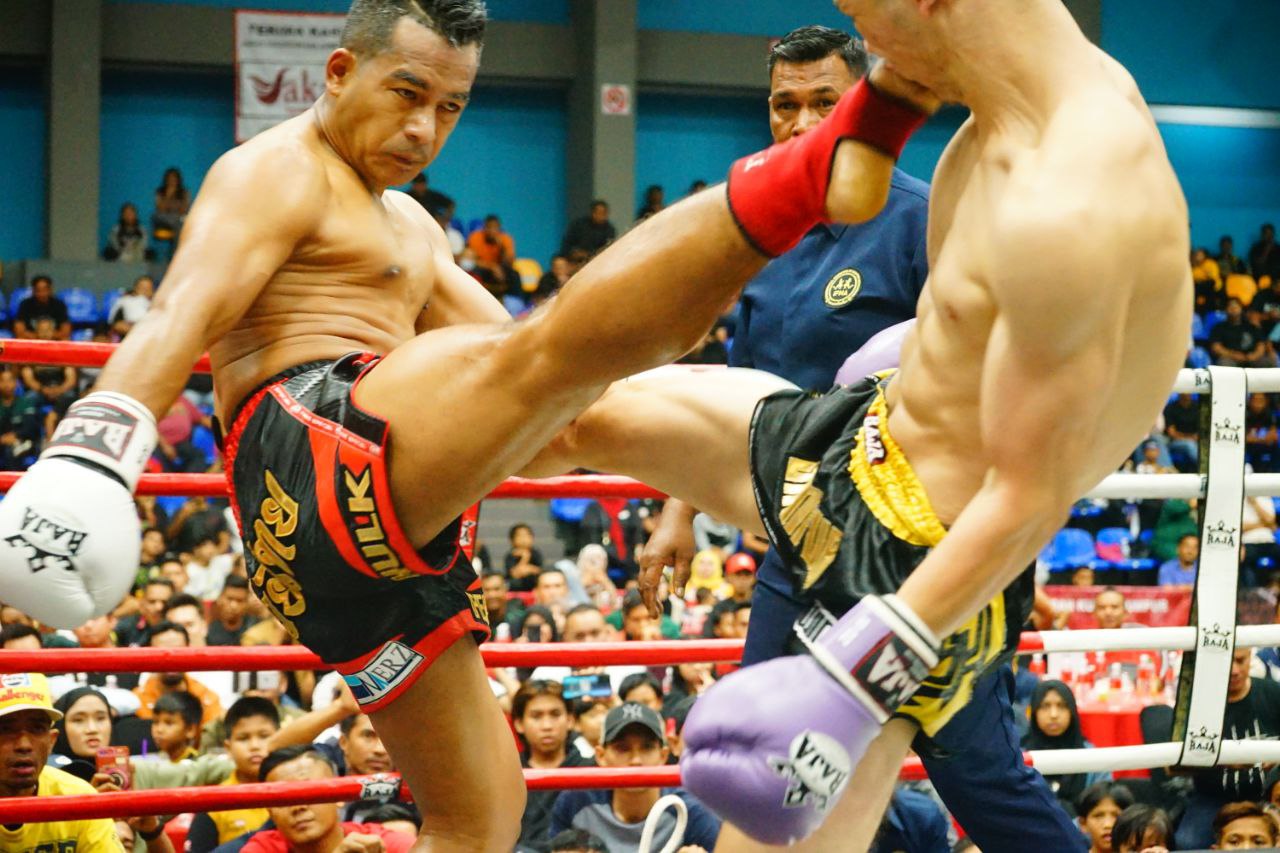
<point>323,546</point>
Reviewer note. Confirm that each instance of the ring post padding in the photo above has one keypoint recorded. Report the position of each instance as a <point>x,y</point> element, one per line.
<point>1202,685</point>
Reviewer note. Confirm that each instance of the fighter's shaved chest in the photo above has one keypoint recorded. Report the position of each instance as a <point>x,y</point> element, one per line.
<point>383,249</point>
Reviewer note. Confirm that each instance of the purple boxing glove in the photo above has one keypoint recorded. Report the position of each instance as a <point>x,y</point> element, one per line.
<point>879,353</point>
<point>771,747</point>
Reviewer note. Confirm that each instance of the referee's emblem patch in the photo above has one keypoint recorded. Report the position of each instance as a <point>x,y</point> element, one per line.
<point>842,288</point>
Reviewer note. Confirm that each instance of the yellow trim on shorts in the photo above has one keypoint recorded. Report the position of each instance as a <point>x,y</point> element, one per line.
<point>890,488</point>
<point>896,497</point>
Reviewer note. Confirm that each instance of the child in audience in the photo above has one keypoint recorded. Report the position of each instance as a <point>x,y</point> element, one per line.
<point>250,724</point>
<point>175,725</point>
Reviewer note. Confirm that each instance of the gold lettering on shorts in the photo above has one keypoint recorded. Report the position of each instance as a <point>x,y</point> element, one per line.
<point>371,538</point>
<point>479,610</point>
<point>274,552</point>
<point>816,538</point>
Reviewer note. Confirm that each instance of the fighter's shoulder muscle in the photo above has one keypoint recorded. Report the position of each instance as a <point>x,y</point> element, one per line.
<point>275,179</point>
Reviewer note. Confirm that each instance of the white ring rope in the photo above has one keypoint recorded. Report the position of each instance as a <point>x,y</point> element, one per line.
<point>1057,762</point>
<point>1144,486</point>
<point>1262,379</point>
<point>1181,638</point>
<point>673,802</point>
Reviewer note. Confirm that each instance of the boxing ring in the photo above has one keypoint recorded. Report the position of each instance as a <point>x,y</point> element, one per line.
<point>1208,644</point>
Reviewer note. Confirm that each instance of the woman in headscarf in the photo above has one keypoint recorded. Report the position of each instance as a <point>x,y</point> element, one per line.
<point>706,571</point>
<point>1055,724</point>
<point>85,728</point>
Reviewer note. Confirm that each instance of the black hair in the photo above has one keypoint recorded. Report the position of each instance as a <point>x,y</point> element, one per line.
<point>511,534</point>
<point>493,573</point>
<point>391,811</point>
<point>1232,812</point>
<point>599,201</point>
<point>577,839</point>
<point>532,689</point>
<point>251,706</point>
<point>1104,790</point>
<point>547,617</point>
<point>810,44</point>
<point>631,601</point>
<point>493,217</point>
<point>165,626</point>
<point>638,679</point>
<point>16,631</point>
<point>370,23</point>
<point>161,581</point>
<point>285,754</point>
<point>1194,536</point>
<point>680,711</point>
<point>580,608</point>
<point>149,529</point>
<point>347,723</point>
<point>183,600</point>
<point>235,582</point>
<point>182,187</point>
<point>549,570</point>
<point>182,703</point>
<point>1132,825</point>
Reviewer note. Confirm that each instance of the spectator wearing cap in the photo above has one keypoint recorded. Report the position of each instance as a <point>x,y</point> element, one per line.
<point>740,572</point>
<point>27,735</point>
<point>633,736</point>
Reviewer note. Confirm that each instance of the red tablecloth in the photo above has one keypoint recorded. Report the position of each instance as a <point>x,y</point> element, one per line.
<point>1113,725</point>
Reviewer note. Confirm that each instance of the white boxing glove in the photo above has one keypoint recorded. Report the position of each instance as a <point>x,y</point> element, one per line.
<point>69,530</point>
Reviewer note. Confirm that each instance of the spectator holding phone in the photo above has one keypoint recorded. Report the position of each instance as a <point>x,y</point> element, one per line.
<point>27,735</point>
<point>542,719</point>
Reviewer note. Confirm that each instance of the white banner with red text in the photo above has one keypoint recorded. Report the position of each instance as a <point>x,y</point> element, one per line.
<point>280,59</point>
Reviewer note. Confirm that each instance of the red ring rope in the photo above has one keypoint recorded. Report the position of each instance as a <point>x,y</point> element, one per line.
<point>572,486</point>
<point>73,354</point>
<point>341,789</point>
<point>258,658</point>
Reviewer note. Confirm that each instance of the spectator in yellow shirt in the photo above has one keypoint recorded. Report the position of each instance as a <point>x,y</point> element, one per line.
<point>27,716</point>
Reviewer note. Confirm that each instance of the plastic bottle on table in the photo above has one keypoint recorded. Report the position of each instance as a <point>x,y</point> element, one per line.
<point>1146,676</point>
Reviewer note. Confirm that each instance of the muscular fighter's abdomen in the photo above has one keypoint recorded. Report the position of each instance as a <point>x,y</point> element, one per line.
<point>295,322</point>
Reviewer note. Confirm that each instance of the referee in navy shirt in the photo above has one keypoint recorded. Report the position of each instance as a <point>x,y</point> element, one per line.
<point>799,319</point>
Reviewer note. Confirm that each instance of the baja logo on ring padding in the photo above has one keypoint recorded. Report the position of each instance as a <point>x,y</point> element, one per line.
<point>49,545</point>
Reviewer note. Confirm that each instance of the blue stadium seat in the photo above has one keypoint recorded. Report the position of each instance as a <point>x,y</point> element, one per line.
<point>15,299</point>
<point>109,300</point>
<point>1198,358</point>
<point>1070,548</point>
<point>1113,540</point>
<point>473,225</point>
<point>1212,319</point>
<point>570,510</point>
<point>5,334</point>
<point>82,306</point>
<point>1198,332</point>
<point>85,334</point>
<point>202,440</point>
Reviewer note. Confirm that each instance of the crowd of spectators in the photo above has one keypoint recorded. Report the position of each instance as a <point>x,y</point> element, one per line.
<point>224,728</point>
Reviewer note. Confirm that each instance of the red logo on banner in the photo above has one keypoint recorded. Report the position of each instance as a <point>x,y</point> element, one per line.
<point>268,91</point>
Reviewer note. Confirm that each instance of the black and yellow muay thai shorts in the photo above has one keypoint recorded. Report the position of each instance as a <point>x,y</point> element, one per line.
<point>323,546</point>
<point>849,517</point>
